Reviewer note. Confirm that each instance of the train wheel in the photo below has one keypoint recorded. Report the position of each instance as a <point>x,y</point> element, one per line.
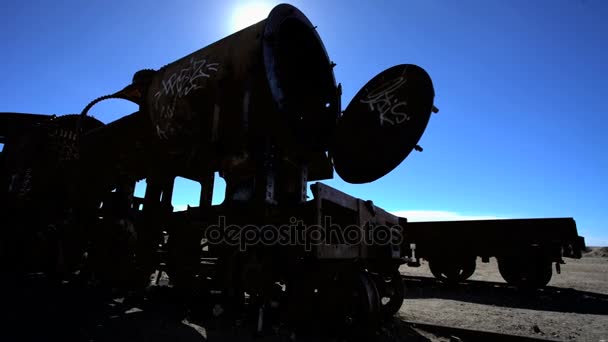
<point>452,271</point>
<point>365,307</point>
<point>527,273</point>
<point>352,302</point>
<point>391,292</point>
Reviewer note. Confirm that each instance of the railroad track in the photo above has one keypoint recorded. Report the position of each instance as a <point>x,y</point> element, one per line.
<point>424,287</point>
<point>468,283</point>
<point>549,298</point>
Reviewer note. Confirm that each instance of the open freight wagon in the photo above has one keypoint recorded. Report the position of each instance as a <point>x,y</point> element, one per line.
<point>525,249</point>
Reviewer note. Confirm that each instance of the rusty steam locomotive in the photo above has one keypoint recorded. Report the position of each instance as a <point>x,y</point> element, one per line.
<point>260,107</point>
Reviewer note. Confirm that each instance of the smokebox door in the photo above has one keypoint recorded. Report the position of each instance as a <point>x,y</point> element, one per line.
<point>382,124</point>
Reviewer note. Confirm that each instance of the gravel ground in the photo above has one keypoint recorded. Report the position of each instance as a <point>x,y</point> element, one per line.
<point>573,307</point>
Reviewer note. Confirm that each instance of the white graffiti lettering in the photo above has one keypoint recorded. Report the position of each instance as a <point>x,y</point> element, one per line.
<point>392,110</point>
<point>180,84</point>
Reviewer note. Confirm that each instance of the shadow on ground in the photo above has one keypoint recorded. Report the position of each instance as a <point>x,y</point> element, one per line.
<point>501,294</point>
<point>41,310</point>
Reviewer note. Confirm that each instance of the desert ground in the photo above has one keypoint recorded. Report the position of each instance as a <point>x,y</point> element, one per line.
<point>573,307</point>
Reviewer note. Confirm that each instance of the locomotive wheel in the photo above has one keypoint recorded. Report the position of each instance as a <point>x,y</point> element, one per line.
<point>525,273</point>
<point>353,302</point>
<point>452,271</point>
<point>391,292</point>
<point>365,301</point>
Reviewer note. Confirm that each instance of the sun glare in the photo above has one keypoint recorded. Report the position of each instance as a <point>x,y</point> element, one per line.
<point>247,14</point>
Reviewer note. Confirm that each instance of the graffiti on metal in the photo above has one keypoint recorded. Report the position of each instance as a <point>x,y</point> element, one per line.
<point>181,83</point>
<point>385,102</point>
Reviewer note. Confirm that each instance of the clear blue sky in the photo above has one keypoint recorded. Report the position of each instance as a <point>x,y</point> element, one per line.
<point>521,86</point>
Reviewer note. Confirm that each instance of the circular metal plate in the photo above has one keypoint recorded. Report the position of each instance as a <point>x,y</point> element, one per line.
<point>382,124</point>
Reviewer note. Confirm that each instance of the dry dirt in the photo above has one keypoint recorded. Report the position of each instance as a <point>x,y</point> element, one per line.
<point>573,307</point>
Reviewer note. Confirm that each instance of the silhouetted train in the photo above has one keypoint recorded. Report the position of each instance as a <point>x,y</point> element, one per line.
<point>260,107</point>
